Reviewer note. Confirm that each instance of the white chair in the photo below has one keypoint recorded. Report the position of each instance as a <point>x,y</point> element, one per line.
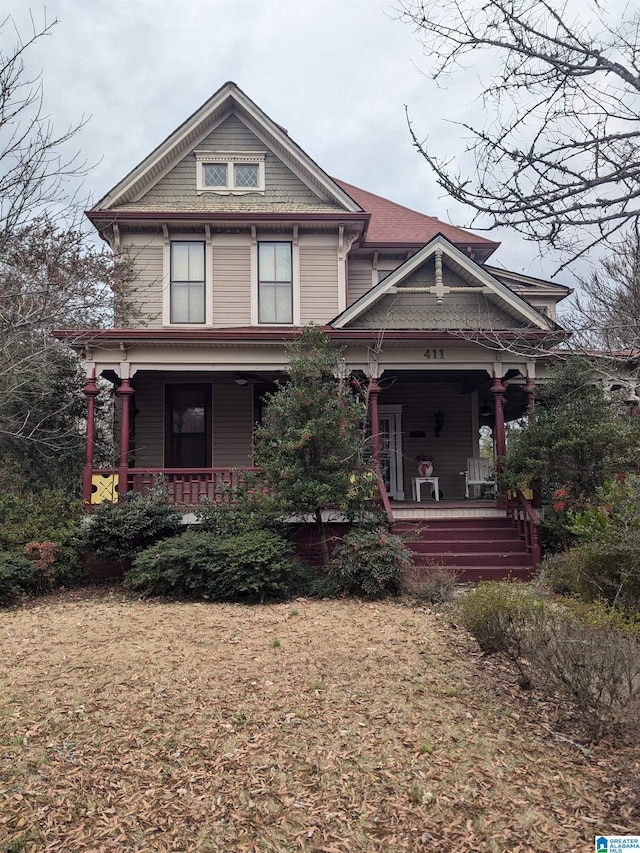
<point>417,486</point>
<point>477,474</point>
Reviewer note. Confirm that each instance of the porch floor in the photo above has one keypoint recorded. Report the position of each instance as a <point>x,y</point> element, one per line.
<point>409,510</point>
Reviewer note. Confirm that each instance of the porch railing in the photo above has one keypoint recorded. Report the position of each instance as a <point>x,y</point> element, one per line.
<point>184,486</point>
<point>527,522</point>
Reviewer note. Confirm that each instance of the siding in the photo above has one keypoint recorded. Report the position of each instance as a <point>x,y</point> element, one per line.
<point>232,424</point>
<point>455,445</point>
<point>149,421</point>
<point>145,291</point>
<point>231,280</point>
<point>283,189</point>
<point>318,281</point>
<point>360,281</point>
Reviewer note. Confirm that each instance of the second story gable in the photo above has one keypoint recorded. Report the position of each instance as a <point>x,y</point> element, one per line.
<point>230,224</point>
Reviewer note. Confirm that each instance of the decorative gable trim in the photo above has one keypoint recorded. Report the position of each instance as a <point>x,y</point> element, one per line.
<point>439,247</point>
<point>194,129</point>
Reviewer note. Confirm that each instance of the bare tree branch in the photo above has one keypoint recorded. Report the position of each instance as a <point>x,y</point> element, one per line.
<point>558,158</point>
<point>37,172</point>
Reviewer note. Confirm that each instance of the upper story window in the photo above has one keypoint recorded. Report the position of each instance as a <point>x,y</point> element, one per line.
<point>187,282</point>
<point>275,282</point>
<point>228,173</point>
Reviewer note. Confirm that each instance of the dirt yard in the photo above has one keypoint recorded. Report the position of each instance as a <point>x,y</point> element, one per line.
<point>308,726</point>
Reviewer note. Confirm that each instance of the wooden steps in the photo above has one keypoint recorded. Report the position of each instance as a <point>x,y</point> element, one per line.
<point>478,548</point>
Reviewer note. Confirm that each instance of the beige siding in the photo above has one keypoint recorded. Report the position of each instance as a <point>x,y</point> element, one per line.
<point>231,280</point>
<point>232,427</point>
<point>360,280</point>
<point>232,424</point>
<point>455,445</point>
<point>318,281</point>
<point>149,421</point>
<point>145,291</point>
<point>283,189</point>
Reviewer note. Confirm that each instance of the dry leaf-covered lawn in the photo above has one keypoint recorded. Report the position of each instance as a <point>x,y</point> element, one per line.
<point>308,726</point>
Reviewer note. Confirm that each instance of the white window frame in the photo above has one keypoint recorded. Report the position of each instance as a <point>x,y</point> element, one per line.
<point>229,159</point>
<point>295,276</point>
<point>208,266</point>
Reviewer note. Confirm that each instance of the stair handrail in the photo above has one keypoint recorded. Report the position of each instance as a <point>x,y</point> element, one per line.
<point>384,497</point>
<point>527,521</point>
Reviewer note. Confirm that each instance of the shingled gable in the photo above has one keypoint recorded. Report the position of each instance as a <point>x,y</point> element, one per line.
<point>229,98</point>
<point>475,275</point>
<point>395,226</point>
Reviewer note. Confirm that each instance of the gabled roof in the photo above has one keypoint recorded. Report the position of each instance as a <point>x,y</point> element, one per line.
<point>466,268</point>
<point>393,225</point>
<point>527,285</point>
<point>229,98</point>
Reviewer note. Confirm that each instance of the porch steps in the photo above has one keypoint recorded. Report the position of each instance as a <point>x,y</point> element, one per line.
<point>479,548</point>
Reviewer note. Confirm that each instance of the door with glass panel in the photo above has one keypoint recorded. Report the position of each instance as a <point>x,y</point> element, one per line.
<point>188,426</point>
<point>390,432</point>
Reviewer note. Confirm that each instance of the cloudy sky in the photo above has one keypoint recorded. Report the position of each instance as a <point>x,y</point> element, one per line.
<point>336,73</point>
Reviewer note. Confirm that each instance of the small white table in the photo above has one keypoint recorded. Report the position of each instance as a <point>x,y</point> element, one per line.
<point>417,486</point>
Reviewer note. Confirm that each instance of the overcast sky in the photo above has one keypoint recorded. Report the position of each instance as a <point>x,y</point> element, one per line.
<point>336,73</point>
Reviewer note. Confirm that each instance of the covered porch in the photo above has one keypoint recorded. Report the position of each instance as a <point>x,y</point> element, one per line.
<point>195,431</point>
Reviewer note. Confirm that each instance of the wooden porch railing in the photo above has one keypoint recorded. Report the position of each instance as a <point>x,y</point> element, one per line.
<point>526,520</point>
<point>184,486</point>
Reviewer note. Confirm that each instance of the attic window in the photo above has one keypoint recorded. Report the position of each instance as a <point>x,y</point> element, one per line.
<point>227,173</point>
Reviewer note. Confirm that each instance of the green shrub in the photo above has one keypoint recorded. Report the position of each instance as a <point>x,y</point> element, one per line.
<point>256,565</point>
<point>119,531</point>
<point>608,569</point>
<point>181,566</point>
<point>585,656</point>
<point>16,575</point>
<point>369,562</point>
<point>250,566</point>
<point>498,614</point>
<point>220,519</point>
<point>49,516</point>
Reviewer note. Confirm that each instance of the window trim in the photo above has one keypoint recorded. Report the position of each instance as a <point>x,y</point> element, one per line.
<point>196,237</point>
<point>229,159</point>
<point>295,278</point>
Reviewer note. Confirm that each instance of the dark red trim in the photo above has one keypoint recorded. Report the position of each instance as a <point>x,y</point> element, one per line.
<point>81,337</point>
<point>125,392</point>
<point>214,216</point>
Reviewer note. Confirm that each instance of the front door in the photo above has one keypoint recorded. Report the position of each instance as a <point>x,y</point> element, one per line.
<point>390,429</point>
<point>188,426</point>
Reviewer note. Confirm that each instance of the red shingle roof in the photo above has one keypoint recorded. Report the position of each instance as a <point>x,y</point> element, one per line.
<point>394,225</point>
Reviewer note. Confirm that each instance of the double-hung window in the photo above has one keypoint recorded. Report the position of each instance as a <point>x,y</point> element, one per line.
<point>275,282</point>
<point>187,281</point>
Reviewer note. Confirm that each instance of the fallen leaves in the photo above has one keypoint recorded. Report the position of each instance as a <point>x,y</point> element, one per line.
<point>160,726</point>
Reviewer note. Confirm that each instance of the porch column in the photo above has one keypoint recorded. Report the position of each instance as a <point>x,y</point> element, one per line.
<point>530,391</point>
<point>374,393</point>
<point>90,391</point>
<point>498,390</point>
<point>125,392</point>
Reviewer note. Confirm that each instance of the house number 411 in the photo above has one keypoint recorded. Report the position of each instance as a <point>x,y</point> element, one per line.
<point>434,353</point>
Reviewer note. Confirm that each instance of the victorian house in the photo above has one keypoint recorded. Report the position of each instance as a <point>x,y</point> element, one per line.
<point>238,240</point>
